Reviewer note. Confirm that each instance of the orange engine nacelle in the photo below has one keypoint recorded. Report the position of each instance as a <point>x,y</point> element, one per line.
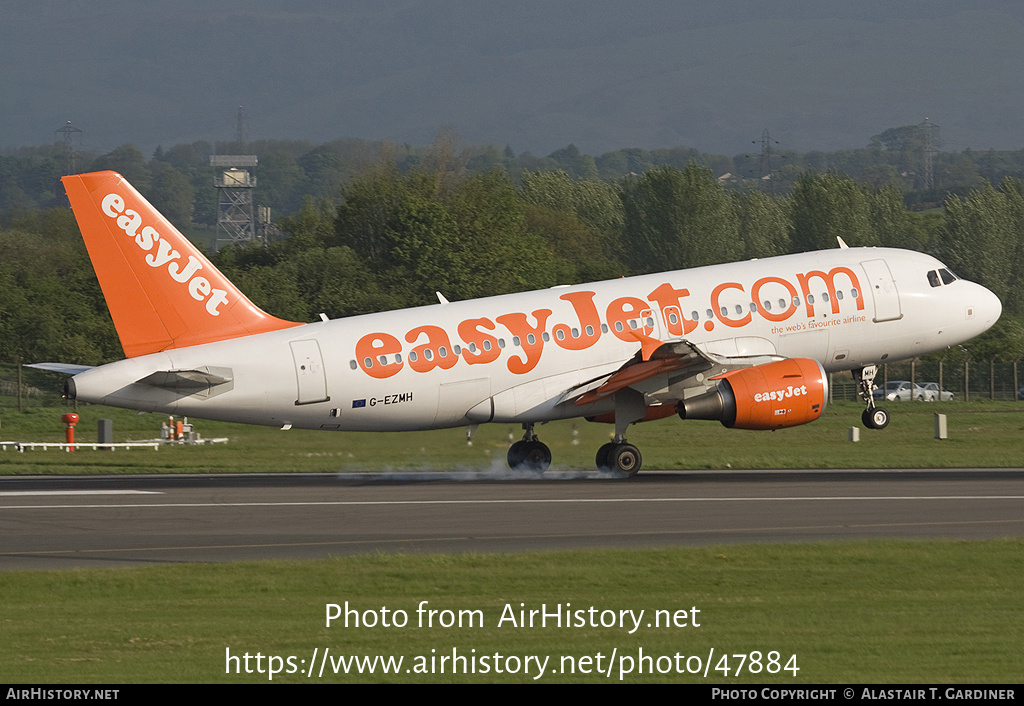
<point>785,393</point>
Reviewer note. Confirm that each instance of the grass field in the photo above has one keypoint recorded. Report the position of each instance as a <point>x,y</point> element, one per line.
<point>989,434</point>
<point>858,612</point>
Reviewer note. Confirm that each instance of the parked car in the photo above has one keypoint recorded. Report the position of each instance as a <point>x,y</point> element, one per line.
<point>900,391</point>
<point>1020,394</point>
<point>933,393</point>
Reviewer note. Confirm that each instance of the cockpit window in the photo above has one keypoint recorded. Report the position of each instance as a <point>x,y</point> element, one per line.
<point>947,276</point>
<point>933,278</point>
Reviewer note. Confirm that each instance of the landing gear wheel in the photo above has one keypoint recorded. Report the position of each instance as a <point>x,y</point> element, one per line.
<point>538,457</point>
<point>602,456</point>
<point>875,418</point>
<point>531,456</point>
<point>625,458</point>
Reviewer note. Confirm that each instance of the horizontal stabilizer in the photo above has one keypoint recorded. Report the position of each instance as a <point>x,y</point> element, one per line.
<point>188,380</point>
<point>65,368</point>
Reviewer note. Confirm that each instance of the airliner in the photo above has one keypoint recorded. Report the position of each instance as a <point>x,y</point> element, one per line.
<point>749,344</point>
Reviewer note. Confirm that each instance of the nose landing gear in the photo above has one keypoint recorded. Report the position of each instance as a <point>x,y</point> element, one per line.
<point>873,417</point>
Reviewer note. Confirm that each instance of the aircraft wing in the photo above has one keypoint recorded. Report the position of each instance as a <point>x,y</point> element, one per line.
<point>679,360</point>
<point>682,363</point>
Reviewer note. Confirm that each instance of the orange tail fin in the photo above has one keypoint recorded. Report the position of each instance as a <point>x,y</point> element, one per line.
<point>162,292</point>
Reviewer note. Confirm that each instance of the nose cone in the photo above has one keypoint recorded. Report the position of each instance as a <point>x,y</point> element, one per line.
<point>991,308</point>
<point>984,309</point>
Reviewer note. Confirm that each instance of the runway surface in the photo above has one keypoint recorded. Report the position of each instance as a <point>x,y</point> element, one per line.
<point>48,522</point>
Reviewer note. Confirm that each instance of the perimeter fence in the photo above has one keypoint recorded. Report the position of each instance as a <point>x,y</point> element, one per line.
<point>968,380</point>
<point>29,388</point>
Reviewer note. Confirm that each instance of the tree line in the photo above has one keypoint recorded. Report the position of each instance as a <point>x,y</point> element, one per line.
<point>392,237</point>
<point>179,179</point>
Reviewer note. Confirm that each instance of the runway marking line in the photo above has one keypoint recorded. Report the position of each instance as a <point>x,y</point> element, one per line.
<point>11,493</point>
<point>518,501</point>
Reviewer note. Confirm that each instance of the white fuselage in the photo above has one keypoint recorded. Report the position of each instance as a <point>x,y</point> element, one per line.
<point>512,358</point>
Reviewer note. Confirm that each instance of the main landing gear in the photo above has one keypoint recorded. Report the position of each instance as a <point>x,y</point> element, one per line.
<point>873,417</point>
<point>533,456</point>
<point>619,456</point>
<point>530,454</point>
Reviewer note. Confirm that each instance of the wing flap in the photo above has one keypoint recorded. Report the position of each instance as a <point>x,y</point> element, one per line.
<point>651,361</point>
<point>678,360</point>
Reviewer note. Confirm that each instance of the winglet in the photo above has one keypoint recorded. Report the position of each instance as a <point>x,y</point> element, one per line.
<point>162,292</point>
